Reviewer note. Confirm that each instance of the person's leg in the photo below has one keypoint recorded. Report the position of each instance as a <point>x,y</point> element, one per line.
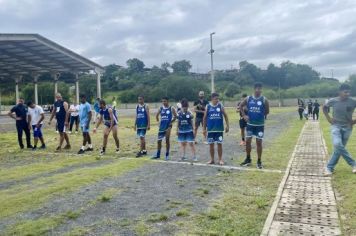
<point>168,142</point>
<point>19,134</point>
<point>61,139</point>
<point>345,134</point>
<point>259,149</point>
<point>76,123</point>
<point>337,147</point>
<point>65,135</point>
<point>192,147</point>
<point>40,136</point>
<point>249,134</point>
<point>27,133</point>
<point>71,123</point>
<point>220,152</point>
<point>142,144</point>
<point>212,153</point>
<point>313,115</point>
<point>105,137</point>
<point>116,138</point>
<point>184,148</point>
<point>196,127</point>
<point>317,115</point>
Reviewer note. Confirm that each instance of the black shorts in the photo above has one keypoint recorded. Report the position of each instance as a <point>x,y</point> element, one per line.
<point>61,126</point>
<point>243,123</point>
<point>198,121</point>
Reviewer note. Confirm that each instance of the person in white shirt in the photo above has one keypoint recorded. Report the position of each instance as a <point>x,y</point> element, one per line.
<point>35,121</point>
<point>74,117</point>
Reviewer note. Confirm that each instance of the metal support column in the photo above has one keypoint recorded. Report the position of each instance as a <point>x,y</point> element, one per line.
<point>77,88</point>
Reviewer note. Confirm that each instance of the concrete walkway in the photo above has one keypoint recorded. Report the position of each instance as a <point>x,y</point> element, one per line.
<point>305,203</point>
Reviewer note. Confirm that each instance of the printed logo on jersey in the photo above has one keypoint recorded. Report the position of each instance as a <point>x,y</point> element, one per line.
<point>260,134</point>
<point>168,112</point>
<point>218,109</point>
<point>259,103</point>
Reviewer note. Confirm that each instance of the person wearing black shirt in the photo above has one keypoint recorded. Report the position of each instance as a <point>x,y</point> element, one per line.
<point>316,107</point>
<point>199,108</point>
<point>310,108</point>
<point>300,108</point>
<point>242,121</point>
<point>20,116</point>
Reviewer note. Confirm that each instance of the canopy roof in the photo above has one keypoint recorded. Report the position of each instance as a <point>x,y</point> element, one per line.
<point>31,53</point>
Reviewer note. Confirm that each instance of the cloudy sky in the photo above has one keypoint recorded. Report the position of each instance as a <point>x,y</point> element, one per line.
<point>321,33</point>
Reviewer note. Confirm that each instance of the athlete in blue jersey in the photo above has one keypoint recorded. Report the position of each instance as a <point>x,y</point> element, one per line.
<point>185,129</point>
<point>142,124</point>
<point>109,117</point>
<point>257,107</point>
<point>168,115</point>
<point>85,115</point>
<point>213,125</point>
<point>60,110</point>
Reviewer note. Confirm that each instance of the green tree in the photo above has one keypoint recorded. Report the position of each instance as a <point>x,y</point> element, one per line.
<point>135,65</point>
<point>181,67</point>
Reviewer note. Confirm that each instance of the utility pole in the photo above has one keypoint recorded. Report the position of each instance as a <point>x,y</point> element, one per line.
<point>212,62</point>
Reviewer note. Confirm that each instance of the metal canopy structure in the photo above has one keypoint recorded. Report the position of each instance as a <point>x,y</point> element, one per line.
<point>22,54</point>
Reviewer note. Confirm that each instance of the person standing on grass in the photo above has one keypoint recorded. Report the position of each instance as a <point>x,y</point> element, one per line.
<point>142,124</point>
<point>35,121</point>
<point>20,116</point>
<point>85,115</point>
<point>74,117</point>
<point>185,129</point>
<point>316,107</point>
<point>96,110</point>
<point>60,110</point>
<point>257,108</point>
<point>341,127</point>
<point>199,108</point>
<point>109,117</point>
<point>310,108</point>
<point>242,122</point>
<point>300,108</point>
<point>168,115</point>
<point>213,126</point>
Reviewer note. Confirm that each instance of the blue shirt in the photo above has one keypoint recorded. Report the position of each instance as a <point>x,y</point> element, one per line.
<point>256,110</point>
<point>214,118</point>
<point>106,116</point>
<point>141,117</point>
<point>96,107</point>
<point>185,124</point>
<point>166,118</point>
<point>84,109</point>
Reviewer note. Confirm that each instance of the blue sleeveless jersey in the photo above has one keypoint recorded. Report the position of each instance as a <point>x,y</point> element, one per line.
<point>106,116</point>
<point>185,124</point>
<point>60,111</point>
<point>214,118</point>
<point>141,117</point>
<point>166,118</point>
<point>256,110</point>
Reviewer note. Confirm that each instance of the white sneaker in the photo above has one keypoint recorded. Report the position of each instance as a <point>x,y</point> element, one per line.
<point>354,170</point>
<point>69,132</point>
<point>328,172</point>
<point>195,159</point>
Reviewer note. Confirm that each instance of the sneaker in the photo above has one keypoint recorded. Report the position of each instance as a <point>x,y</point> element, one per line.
<point>166,158</point>
<point>183,158</point>
<point>328,172</point>
<point>144,153</point>
<point>57,132</point>
<point>259,165</point>
<point>43,146</point>
<point>34,148</point>
<point>76,132</point>
<point>81,151</point>
<point>354,170</point>
<point>69,132</point>
<point>117,150</point>
<point>22,147</point>
<point>246,162</point>
<point>155,157</point>
<point>102,152</point>
<point>195,159</point>
<point>67,147</point>
<point>89,149</point>
<point>29,146</point>
<point>58,149</point>
<point>139,154</point>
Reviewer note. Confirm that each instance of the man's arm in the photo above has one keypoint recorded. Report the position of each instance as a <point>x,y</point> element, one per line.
<point>148,117</point>
<point>326,113</point>
<point>204,122</point>
<point>41,119</point>
<point>89,118</point>
<point>29,118</point>
<point>226,120</point>
<point>11,113</point>
<point>65,105</point>
<point>157,115</point>
<point>52,115</point>
<point>266,107</point>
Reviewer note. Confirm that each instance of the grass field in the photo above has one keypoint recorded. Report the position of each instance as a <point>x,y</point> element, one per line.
<point>344,183</point>
<point>233,203</point>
